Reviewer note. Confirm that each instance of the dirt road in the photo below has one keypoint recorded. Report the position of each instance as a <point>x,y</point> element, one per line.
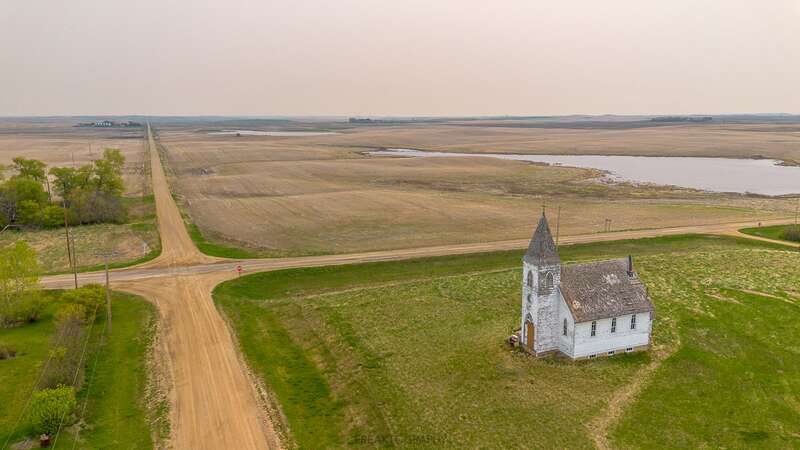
<point>214,405</point>
<point>228,266</point>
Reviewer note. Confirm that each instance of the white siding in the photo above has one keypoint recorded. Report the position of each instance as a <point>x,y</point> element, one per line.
<point>565,343</point>
<point>604,340</point>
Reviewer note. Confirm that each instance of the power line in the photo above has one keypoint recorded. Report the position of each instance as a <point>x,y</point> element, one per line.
<point>33,389</point>
<point>78,369</point>
<point>88,390</point>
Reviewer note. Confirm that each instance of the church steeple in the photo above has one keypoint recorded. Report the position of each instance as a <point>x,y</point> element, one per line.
<point>542,249</point>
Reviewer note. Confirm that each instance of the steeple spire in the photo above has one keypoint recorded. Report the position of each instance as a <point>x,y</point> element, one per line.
<point>542,249</point>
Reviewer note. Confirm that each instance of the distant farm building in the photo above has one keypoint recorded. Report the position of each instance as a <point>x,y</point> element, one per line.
<point>581,310</point>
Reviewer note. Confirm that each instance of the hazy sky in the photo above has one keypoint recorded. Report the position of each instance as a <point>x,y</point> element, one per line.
<point>398,57</point>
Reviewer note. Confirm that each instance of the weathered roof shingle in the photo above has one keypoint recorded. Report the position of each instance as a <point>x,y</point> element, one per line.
<point>603,289</point>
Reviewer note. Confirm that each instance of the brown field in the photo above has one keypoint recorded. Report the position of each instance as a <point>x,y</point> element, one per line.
<point>320,194</point>
<point>59,144</point>
<point>778,141</point>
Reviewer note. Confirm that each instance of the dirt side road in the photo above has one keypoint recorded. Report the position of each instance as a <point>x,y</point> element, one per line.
<point>155,269</point>
<point>214,404</point>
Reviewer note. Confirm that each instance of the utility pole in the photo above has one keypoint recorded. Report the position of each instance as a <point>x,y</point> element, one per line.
<point>108,296</point>
<point>558,224</point>
<point>107,255</point>
<point>72,263</point>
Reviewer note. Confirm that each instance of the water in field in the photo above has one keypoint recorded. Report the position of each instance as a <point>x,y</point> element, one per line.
<point>270,133</point>
<point>757,176</point>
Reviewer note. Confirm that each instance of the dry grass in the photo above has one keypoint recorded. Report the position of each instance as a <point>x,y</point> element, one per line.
<point>306,195</point>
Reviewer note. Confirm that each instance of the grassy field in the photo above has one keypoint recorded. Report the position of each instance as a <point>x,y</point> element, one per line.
<point>411,353</point>
<point>287,196</point>
<point>115,377</point>
<point>133,242</point>
<point>775,232</point>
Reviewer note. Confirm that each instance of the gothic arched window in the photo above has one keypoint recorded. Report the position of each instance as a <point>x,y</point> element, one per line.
<point>530,279</point>
<point>546,282</point>
<point>565,327</point>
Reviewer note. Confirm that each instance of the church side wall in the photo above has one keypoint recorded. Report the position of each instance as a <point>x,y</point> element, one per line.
<point>604,340</point>
<point>565,342</point>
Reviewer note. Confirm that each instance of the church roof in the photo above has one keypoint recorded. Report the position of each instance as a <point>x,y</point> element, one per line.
<point>542,249</point>
<point>603,289</point>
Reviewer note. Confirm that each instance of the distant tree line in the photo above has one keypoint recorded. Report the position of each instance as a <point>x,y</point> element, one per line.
<point>91,193</point>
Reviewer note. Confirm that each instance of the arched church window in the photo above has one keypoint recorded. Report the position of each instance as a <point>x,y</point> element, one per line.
<point>565,327</point>
<point>546,283</point>
<point>530,279</point>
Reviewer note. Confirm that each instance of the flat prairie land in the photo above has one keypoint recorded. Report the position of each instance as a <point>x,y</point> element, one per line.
<point>59,144</point>
<point>278,196</point>
<point>778,141</point>
<point>412,353</point>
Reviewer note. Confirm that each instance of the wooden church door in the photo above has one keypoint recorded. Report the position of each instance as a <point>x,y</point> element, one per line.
<point>530,334</point>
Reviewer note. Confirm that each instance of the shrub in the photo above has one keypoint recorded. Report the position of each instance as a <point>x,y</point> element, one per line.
<point>52,408</point>
<point>7,352</point>
<point>20,300</point>
<point>72,311</point>
<point>791,233</point>
<point>52,216</point>
<point>91,297</point>
<point>97,207</point>
<point>65,367</point>
<point>25,309</point>
<point>29,212</point>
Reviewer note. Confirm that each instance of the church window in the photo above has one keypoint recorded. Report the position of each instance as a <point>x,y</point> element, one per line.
<point>565,327</point>
<point>633,322</point>
<point>614,325</point>
<point>530,279</point>
<point>529,300</point>
<point>546,283</point>
<point>594,328</point>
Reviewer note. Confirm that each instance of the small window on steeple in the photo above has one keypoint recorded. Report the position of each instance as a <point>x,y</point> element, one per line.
<point>546,282</point>
<point>530,279</point>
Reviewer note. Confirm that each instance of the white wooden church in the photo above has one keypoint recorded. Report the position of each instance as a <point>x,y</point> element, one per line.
<point>581,310</point>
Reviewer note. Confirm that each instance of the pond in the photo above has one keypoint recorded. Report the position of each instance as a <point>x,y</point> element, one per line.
<point>757,176</point>
<point>270,133</point>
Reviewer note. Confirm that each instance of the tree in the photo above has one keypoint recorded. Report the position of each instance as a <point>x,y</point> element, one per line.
<point>30,168</point>
<point>65,179</point>
<point>20,298</point>
<point>52,408</point>
<point>108,172</point>
<point>17,190</point>
<point>97,207</point>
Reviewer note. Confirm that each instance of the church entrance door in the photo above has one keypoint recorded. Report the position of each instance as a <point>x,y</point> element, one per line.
<point>530,334</point>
